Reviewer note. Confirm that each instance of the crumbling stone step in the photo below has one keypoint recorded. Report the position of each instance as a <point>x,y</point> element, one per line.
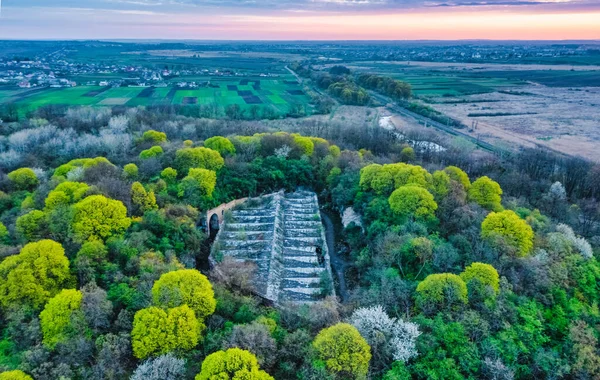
<point>248,219</point>
<point>248,235</point>
<point>291,282</point>
<point>261,212</point>
<point>292,252</point>
<point>248,227</point>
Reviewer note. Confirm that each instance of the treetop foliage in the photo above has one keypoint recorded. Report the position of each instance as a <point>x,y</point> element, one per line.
<point>66,193</point>
<point>220,144</point>
<point>185,287</point>
<point>152,152</point>
<point>56,317</point>
<point>15,375</point>
<point>413,201</point>
<point>234,363</point>
<point>84,163</point>
<point>509,227</point>
<point>486,274</point>
<point>487,193</point>
<point>442,290</point>
<point>343,351</point>
<point>35,275</point>
<point>98,218</point>
<point>156,331</point>
<point>458,175</point>
<point>154,137</point>
<point>200,158</point>
<point>24,178</point>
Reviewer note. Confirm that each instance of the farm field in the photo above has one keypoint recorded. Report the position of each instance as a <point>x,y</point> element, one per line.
<point>278,94</point>
<point>510,105</point>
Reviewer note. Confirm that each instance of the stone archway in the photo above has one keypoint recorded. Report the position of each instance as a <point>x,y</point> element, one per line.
<point>213,224</point>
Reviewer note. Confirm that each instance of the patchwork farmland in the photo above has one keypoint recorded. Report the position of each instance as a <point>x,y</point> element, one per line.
<point>277,93</point>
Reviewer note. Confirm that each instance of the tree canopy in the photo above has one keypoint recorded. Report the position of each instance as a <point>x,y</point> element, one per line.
<point>344,351</point>
<point>98,218</point>
<point>185,287</point>
<point>35,275</point>
<point>413,202</point>
<point>55,319</point>
<point>487,193</point>
<point>234,363</point>
<point>511,228</point>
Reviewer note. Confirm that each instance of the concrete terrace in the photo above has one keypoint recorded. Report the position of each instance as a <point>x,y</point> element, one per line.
<point>283,235</point>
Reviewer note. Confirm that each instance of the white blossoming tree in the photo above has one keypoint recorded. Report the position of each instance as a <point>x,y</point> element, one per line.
<point>578,243</point>
<point>389,338</point>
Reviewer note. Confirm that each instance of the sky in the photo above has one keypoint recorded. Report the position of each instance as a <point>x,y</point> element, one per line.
<point>301,19</point>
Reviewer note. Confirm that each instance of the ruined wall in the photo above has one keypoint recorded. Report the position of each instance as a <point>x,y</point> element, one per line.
<point>283,235</point>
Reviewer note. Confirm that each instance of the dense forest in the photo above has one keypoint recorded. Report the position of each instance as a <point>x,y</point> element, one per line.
<point>459,264</point>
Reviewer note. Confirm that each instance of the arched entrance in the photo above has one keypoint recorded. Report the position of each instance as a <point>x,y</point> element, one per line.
<point>213,224</point>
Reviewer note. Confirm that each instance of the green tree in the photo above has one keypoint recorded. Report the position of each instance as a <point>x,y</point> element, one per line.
<point>169,175</point>
<point>15,375</point>
<point>33,276</point>
<point>413,202</point>
<point>202,158</point>
<point>220,144</point>
<point>157,332</point>
<point>66,193</point>
<point>508,226</point>
<point>234,363</point>
<point>458,175</point>
<point>130,171</point>
<point>55,319</point>
<point>3,233</point>
<point>441,184</point>
<point>185,287</point>
<point>31,225</point>
<point>306,145</point>
<point>199,182</point>
<point>407,154</point>
<point>24,179</point>
<point>154,137</point>
<point>155,151</point>
<point>344,351</point>
<point>98,218</point>
<point>441,290</point>
<point>142,200</point>
<point>487,193</point>
<point>486,274</point>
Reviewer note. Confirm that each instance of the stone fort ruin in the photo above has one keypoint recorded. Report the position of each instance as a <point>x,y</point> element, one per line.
<point>283,235</point>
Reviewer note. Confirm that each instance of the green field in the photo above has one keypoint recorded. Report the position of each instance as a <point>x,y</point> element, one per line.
<point>439,81</point>
<point>277,93</point>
